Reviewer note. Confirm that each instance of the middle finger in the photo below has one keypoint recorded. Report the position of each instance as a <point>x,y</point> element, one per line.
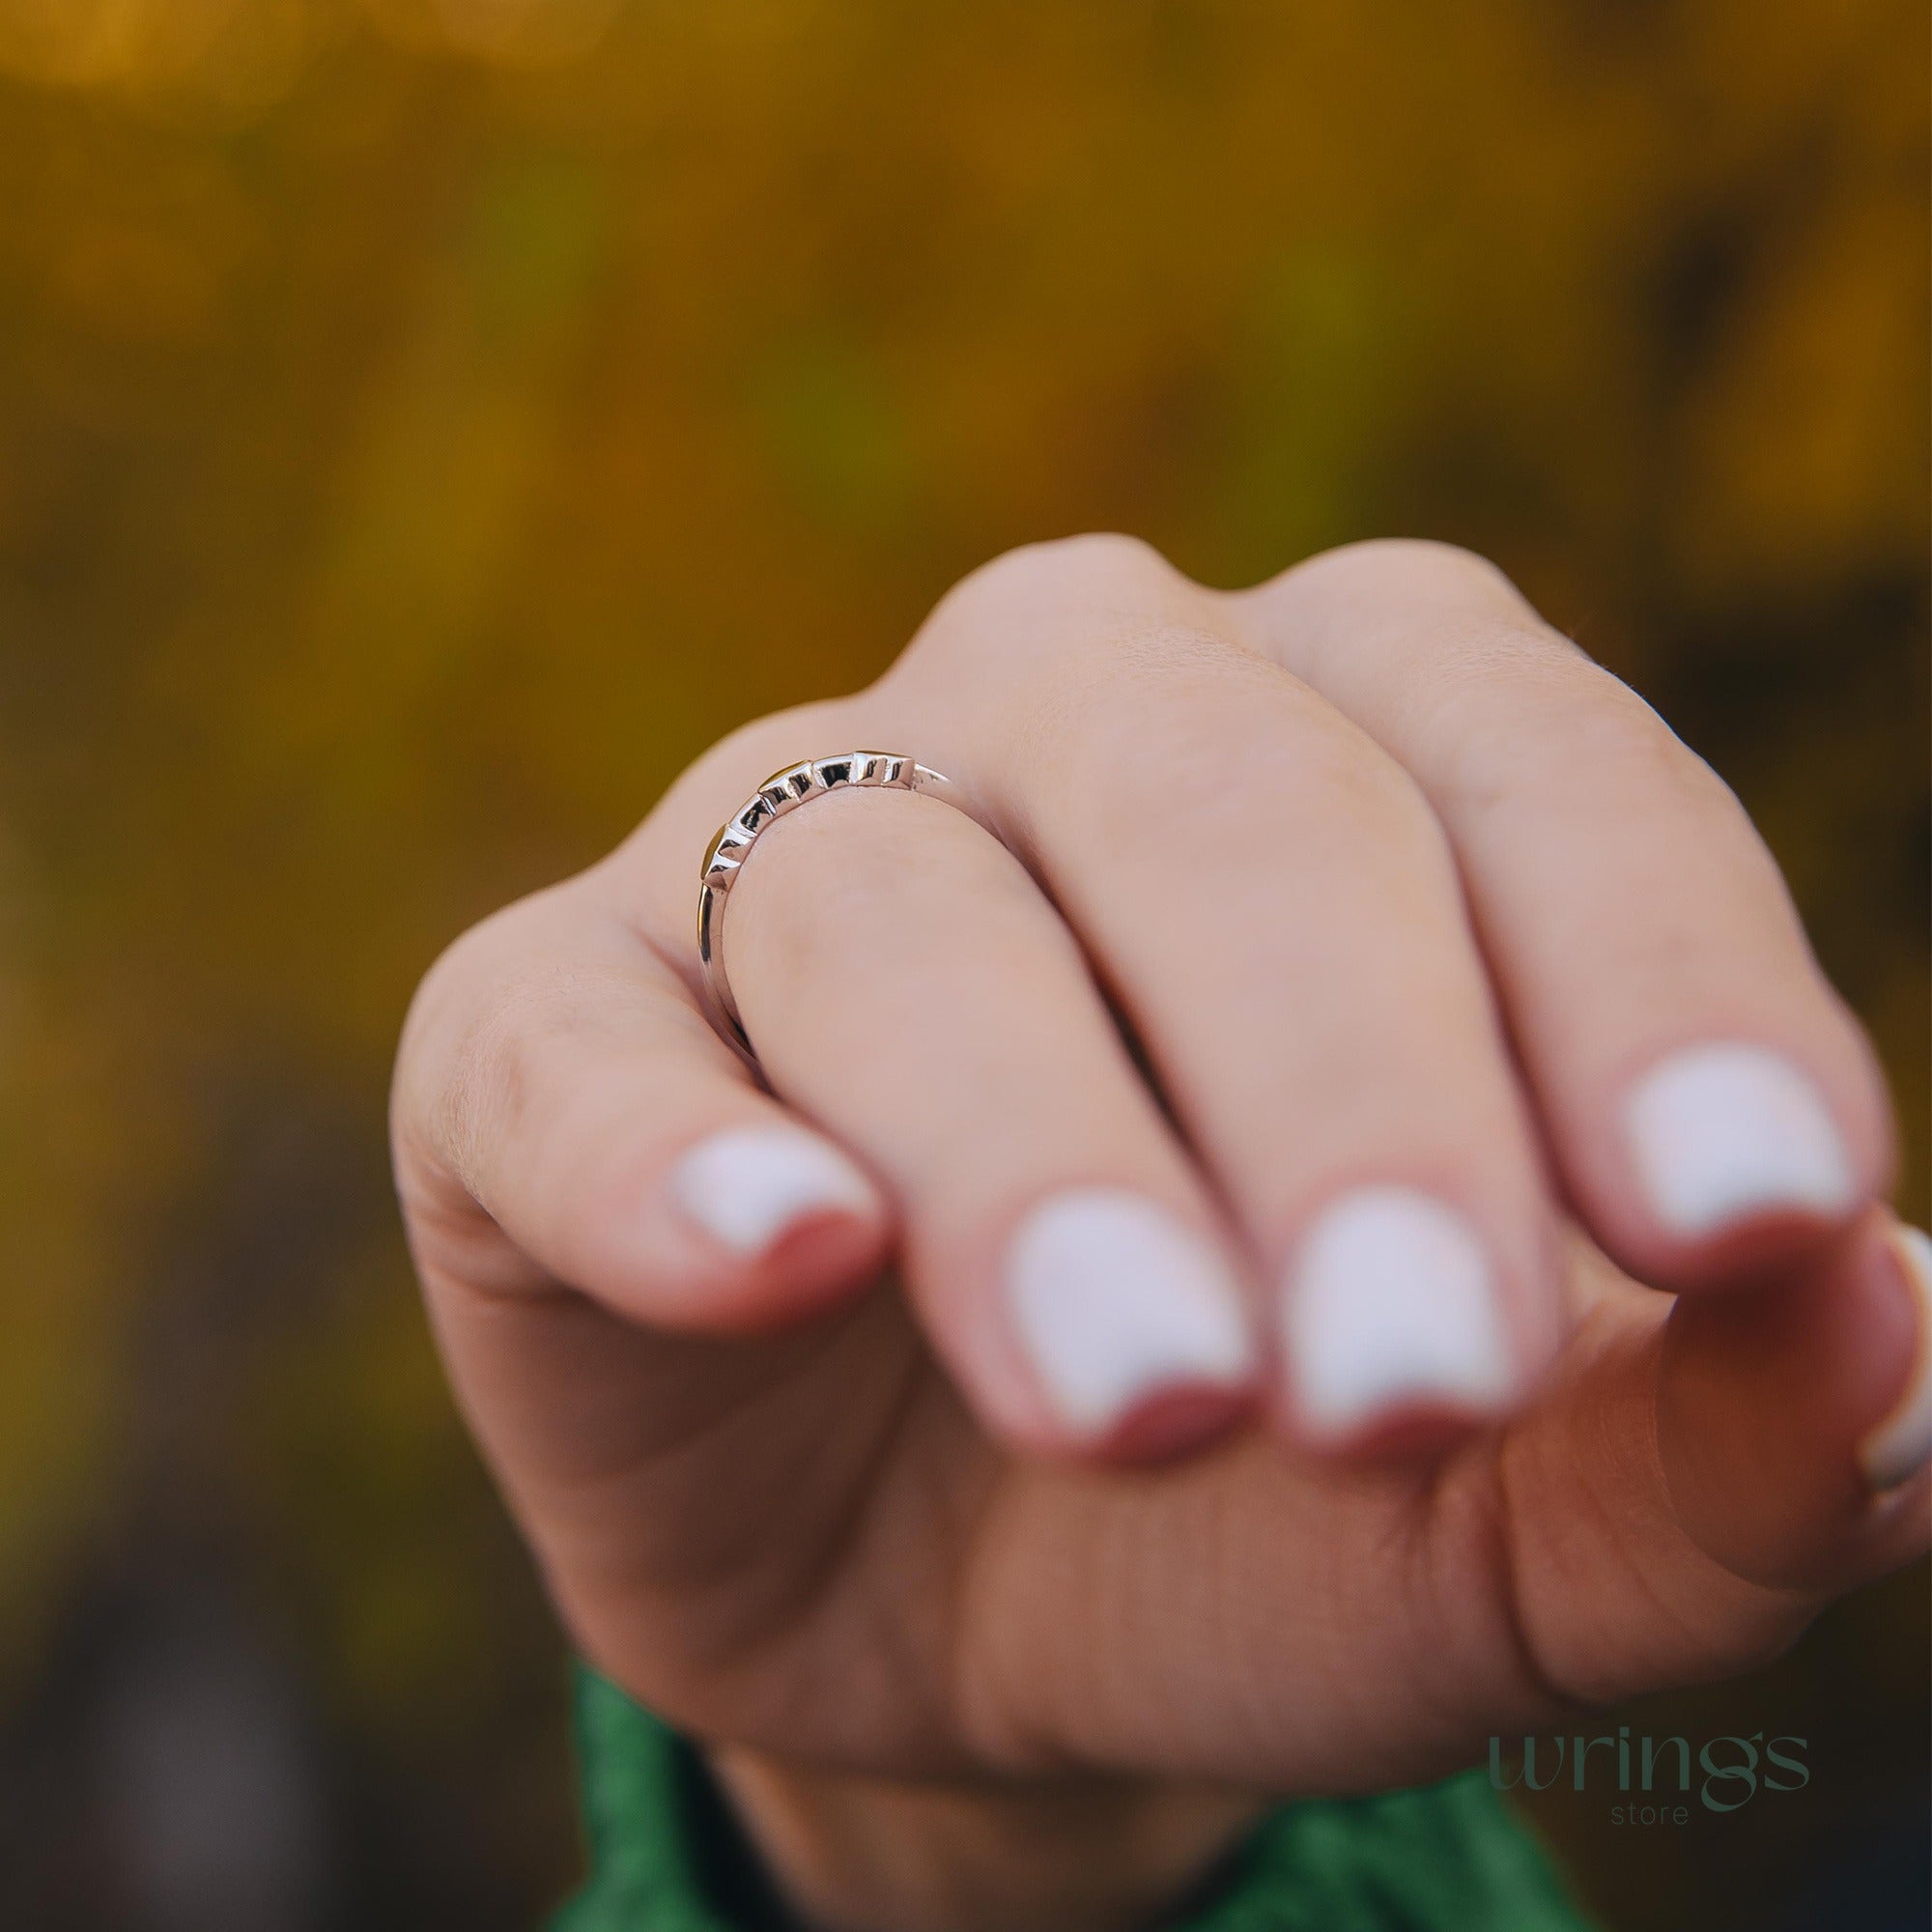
<point>1275,910</point>
<point>906,986</point>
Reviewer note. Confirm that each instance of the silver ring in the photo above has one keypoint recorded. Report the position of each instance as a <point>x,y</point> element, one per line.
<point>783,792</point>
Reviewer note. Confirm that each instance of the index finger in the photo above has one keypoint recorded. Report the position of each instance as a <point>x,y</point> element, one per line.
<point>1713,1105</point>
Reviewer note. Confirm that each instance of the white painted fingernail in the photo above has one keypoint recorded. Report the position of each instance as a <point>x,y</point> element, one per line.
<point>1727,1131</point>
<point>747,1185</point>
<point>1391,1301</point>
<point>1115,1299</point>
<point>1902,1445</point>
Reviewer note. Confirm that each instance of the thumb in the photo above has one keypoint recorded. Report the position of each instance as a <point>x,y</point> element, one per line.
<point>1703,1482</point>
<point>1794,1424</point>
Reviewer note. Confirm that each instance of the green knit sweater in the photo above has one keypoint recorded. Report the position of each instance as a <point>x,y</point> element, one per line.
<point>1445,1859</point>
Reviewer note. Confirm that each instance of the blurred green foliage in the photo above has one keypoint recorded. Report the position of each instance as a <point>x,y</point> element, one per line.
<point>424,424</point>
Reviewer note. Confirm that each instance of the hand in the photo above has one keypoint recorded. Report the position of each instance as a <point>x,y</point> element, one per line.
<point>1364,993</point>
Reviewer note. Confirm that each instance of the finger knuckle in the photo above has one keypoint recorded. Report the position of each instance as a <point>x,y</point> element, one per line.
<point>450,1047</point>
<point>1093,558</point>
<point>1630,744</point>
<point>862,863</point>
<point>1194,737</point>
<point>1058,589</point>
<point>739,761</point>
<point>485,1016</point>
<point>1422,566</point>
<point>1156,701</point>
<point>1575,738</point>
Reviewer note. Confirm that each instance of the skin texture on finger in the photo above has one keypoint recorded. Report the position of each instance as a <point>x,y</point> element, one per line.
<point>563,1116</point>
<point>1711,1103</point>
<point>1317,1017</point>
<point>903,980</point>
<point>1675,1509</point>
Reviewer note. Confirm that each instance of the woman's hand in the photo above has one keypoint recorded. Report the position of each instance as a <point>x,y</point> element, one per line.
<point>1364,993</point>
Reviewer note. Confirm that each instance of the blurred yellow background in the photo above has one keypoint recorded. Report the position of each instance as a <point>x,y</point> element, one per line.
<point>424,424</point>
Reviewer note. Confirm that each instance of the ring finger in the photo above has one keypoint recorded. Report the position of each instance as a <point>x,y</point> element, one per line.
<point>906,986</point>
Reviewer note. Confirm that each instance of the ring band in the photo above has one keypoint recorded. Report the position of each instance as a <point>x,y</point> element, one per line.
<point>783,792</point>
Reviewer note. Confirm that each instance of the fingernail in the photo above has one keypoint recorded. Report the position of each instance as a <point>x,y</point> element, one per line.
<point>1391,1302</point>
<point>748,1185</point>
<point>1115,1300</point>
<point>1902,1445</point>
<point>1724,1133</point>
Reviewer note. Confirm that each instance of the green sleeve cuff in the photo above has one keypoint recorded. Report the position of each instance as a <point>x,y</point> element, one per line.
<point>1448,1857</point>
